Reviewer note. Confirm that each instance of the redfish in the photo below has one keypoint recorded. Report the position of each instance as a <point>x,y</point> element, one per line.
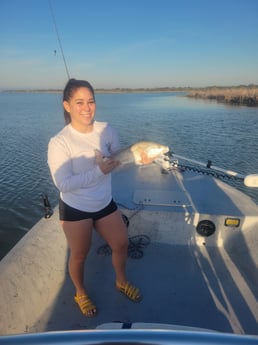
<point>140,153</point>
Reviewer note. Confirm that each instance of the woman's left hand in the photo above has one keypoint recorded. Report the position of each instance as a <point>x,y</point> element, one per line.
<point>107,165</point>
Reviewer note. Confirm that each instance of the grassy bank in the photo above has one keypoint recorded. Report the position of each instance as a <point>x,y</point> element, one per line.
<point>239,95</point>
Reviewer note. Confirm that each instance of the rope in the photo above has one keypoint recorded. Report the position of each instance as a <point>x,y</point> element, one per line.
<point>135,248</point>
<point>136,244</point>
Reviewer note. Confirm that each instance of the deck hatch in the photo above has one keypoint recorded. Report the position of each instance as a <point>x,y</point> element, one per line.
<point>161,198</point>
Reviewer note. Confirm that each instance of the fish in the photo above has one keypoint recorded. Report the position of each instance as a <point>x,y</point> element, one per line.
<point>140,153</point>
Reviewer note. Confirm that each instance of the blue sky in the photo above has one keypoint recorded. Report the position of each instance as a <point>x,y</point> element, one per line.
<point>129,43</point>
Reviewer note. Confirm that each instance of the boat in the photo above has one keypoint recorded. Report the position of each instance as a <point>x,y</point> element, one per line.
<point>192,251</point>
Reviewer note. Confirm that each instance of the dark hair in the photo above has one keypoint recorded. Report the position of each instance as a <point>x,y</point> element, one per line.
<point>71,86</point>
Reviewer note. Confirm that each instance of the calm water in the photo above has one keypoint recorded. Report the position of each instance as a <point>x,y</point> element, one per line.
<point>193,128</point>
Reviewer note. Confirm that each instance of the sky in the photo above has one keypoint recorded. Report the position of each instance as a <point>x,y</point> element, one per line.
<point>128,43</point>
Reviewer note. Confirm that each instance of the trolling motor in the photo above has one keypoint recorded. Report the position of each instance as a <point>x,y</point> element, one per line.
<point>249,180</point>
<point>47,206</point>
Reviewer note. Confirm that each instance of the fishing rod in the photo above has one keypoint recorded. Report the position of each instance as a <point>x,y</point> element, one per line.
<point>58,37</point>
<point>249,180</point>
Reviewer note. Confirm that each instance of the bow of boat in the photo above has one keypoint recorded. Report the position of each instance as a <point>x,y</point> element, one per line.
<point>193,253</point>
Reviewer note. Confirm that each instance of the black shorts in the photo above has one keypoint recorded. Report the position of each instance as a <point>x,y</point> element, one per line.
<point>70,214</point>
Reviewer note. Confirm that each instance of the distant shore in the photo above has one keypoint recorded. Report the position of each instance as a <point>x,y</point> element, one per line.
<point>237,95</point>
<point>243,95</point>
<point>115,90</point>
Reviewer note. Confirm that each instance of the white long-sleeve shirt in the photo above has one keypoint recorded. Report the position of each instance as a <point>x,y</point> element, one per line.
<point>71,159</point>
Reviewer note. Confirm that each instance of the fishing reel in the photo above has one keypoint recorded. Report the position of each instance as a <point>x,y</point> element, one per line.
<point>47,207</point>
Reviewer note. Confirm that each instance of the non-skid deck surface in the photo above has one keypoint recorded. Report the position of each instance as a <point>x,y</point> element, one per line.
<point>179,287</point>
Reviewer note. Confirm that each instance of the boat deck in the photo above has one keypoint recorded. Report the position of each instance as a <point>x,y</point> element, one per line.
<point>186,279</point>
<point>180,288</point>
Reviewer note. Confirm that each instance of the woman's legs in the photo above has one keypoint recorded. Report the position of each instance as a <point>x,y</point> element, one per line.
<point>78,234</point>
<point>113,230</point>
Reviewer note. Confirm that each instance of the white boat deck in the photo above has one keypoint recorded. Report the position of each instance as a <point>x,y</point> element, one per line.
<point>186,279</point>
<point>180,288</point>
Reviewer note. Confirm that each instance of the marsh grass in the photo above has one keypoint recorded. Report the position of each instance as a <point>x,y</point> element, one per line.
<point>240,96</point>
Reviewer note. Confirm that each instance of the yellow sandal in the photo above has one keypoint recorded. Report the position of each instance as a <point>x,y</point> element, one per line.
<point>130,291</point>
<point>86,305</point>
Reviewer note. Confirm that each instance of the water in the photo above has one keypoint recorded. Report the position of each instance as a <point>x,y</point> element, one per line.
<point>196,129</point>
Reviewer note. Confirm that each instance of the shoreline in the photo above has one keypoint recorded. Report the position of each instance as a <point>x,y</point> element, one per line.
<point>238,95</point>
<point>100,90</point>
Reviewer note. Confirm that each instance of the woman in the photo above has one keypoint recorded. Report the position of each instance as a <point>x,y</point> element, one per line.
<point>85,189</point>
